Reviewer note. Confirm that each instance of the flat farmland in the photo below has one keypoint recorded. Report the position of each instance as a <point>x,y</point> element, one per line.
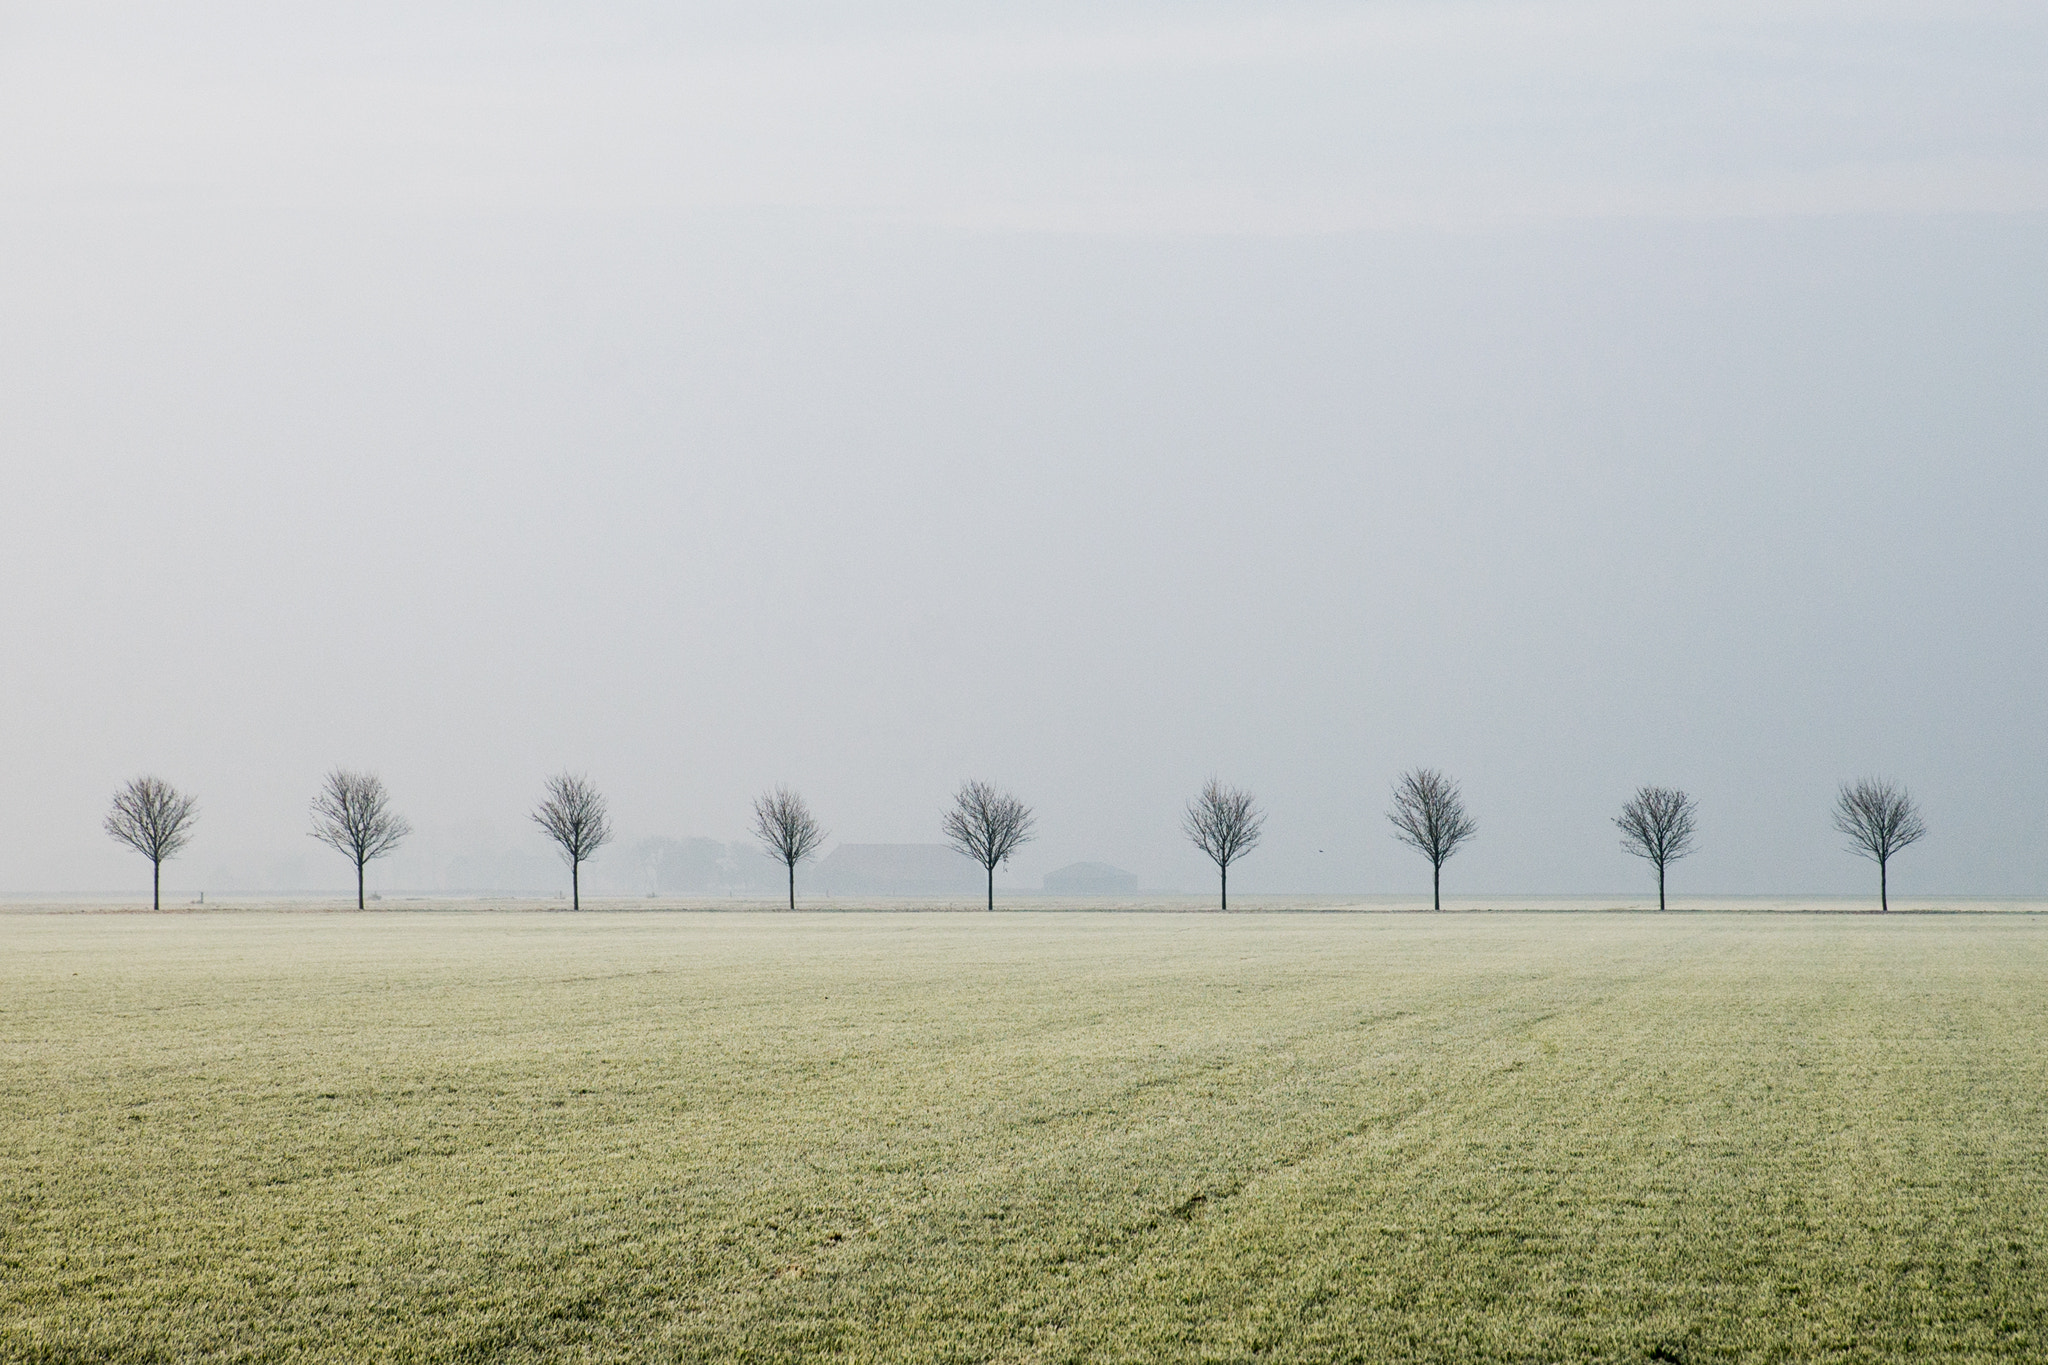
<point>445,1136</point>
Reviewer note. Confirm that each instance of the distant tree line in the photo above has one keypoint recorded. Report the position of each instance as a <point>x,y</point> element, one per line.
<point>352,814</point>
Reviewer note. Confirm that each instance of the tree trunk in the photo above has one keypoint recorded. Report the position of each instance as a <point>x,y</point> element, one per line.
<point>359,885</point>
<point>156,886</point>
<point>575,886</point>
<point>991,888</point>
<point>1884,902</point>
<point>1224,870</point>
<point>792,885</point>
<point>1436,886</point>
<point>1660,888</point>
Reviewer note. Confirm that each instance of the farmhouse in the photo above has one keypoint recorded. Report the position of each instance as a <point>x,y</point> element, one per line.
<point>898,870</point>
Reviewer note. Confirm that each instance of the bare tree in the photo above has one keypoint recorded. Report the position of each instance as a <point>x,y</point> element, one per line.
<point>1657,825</point>
<point>575,817</point>
<point>787,830</point>
<point>987,826</point>
<point>155,819</point>
<point>1224,823</point>
<point>1880,818</point>
<point>352,814</point>
<point>1429,816</point>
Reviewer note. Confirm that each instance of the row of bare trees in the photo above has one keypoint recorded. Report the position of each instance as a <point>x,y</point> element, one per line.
<point>1428,815</point>
<point>1657,824</point>
<point>352,814</point>
<point>1876,816</point>
<point>984,823</point>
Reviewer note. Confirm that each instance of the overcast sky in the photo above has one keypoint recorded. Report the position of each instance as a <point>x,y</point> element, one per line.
<point>1088,398</point>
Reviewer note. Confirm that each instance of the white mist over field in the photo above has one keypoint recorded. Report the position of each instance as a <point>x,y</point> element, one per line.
<point>1570,396</point>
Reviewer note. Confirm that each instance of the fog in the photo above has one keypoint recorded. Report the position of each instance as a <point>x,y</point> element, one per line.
<point>1569,396</point>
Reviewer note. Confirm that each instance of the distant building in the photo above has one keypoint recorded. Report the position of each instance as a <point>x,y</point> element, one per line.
<point>897,870</point>
<point>1090,879</point>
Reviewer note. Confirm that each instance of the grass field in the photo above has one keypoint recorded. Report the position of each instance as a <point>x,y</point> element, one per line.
<point>666,1136</point>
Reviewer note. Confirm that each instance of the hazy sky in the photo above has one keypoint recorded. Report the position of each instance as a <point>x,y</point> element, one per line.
<point>1089,398</point>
